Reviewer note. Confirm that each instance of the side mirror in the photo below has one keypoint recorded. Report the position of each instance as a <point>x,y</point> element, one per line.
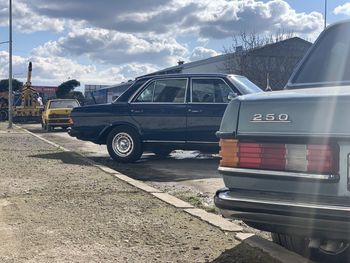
<point>232,95</point>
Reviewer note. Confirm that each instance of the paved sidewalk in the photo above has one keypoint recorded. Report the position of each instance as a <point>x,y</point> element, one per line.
<point>56,207</point>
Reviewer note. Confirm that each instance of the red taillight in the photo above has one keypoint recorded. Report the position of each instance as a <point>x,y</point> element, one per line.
<point>264,156</point>
<point>310,158</point>
<point>322,158</point>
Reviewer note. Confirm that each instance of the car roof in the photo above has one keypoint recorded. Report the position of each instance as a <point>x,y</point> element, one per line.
<point>186,75</point>
<point>62,99</point>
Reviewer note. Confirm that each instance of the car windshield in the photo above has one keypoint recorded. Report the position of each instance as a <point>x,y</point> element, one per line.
<point>328,62</point>
<point>63,104</point>
<point>244,84</point>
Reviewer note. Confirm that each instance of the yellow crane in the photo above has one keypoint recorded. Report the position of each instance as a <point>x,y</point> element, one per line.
<point>30,108</point>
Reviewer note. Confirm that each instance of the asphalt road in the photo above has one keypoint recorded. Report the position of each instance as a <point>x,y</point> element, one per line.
<point>182,171</point>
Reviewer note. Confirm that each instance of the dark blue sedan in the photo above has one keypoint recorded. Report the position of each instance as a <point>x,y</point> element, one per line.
<point>161,114</point>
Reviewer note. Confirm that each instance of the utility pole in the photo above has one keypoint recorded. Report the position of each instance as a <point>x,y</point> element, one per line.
<point>10,66</point>
<point>325,14</point>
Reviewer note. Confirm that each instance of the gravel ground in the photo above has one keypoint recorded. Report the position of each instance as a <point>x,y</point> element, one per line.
<point>181,175</point>
<point>55,207</point>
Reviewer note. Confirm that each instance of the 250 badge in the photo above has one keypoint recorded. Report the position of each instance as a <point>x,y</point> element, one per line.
<point>270,117</point>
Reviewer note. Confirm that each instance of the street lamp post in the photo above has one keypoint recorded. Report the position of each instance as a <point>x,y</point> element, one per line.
<point>10,66</point>
<point>325,14</point>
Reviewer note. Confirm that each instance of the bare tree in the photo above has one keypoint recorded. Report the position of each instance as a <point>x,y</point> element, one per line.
<point>248,56</point>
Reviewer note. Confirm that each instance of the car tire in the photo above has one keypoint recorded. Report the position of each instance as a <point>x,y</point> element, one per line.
<point>300,245</point>
<point>3,115</point>
<point>296,244</point>
<point>49,128</point>
<point>162,152</point>
<point>124,144</point>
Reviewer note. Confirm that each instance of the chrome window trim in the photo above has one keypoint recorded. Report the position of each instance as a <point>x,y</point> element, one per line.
<point>181,141</point>
<point>145,85</point>
<point>295,175</point>
<point>203,142</point>
<point>209,103</point>
<point>153,141</point>
<point>317,84</point>
<point>225,196</point>
<point>138,90</point>
<point>296,134</point>
<point>172,103</point>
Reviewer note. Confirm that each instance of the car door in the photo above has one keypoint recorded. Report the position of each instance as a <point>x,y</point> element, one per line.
<point>208,101</point>
<point>160,110</point>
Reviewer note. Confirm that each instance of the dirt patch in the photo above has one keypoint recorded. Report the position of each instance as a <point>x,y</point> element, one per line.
<point>55,207</point>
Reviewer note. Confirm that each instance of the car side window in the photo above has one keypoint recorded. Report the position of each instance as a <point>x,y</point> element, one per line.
<point>164,90</point>
<point>210,91</point>
<point>147,94</point>
<point>170,90</point>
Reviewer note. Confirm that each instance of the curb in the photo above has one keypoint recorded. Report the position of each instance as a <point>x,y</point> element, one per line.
<point>209,218</point>
<point>275,251</point>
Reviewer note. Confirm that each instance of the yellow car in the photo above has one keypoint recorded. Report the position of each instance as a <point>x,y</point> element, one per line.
<point>56,113</point>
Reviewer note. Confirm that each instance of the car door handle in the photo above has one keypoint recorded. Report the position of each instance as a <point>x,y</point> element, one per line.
<point>136,111</point>
<point>195,111</point>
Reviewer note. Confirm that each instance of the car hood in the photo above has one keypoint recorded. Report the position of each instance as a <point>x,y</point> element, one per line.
<point>313,112</point>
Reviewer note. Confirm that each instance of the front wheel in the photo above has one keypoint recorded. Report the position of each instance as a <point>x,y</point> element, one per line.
<point>124,144</point>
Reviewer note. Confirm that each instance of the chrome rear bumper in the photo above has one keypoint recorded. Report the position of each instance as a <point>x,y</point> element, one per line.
<point>287,214</point>
<point>278,174</point>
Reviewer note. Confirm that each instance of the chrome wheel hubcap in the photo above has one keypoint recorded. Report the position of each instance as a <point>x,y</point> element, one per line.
<point>123,144</point>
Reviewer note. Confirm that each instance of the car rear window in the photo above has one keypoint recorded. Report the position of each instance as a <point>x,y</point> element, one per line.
<point>64,104</point>
<point>329,60</point>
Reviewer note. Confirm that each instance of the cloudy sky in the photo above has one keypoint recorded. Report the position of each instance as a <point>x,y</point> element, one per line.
<point>109,41</point>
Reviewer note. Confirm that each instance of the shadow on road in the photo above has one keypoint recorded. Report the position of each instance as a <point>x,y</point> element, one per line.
<point>178,167</point>
<point>243,253</point>
<point>65,157</point>
<point>154,169</point>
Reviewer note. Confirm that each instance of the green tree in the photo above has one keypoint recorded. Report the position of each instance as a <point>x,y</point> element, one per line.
<point>16,85</point>
<point>66,87</point>
<point>78,95</point>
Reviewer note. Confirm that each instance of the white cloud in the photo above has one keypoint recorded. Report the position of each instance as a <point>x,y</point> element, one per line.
<point>222,19</point>
<point>106,46</point>
<point>202,53</point>
<point>342,9</point>
<point>137,37</point>
<point>205,18</point>
<point>55,70</point>
<point>25,20</point>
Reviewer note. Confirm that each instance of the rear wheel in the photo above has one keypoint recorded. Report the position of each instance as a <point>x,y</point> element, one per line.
<point>43,125</point>
<point>124,144</point>
<point>294,243</point>
<point>336,251</point>
<point>3,115</point>
<point>49,128</point>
